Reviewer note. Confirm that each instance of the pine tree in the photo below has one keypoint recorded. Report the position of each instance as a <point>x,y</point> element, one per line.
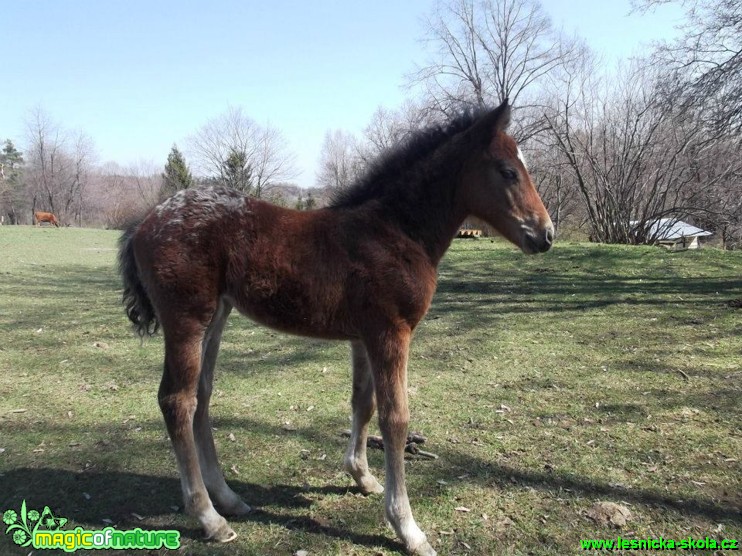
<point>176,176</point>
<point>306,204</point>
<point>11,182</point>
<point>236,172</point>
<point>11,156</point>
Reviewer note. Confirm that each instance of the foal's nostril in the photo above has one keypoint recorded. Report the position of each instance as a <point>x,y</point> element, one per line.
<point>532,243</point>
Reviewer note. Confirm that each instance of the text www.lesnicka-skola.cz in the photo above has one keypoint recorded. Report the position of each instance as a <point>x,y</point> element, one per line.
<point>661,543</point>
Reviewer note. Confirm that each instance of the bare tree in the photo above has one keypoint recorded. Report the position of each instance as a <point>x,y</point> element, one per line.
<point>83,158</point>
<point>390,127</point>
<point>552,177</point>
<point>146,182</point>
<point>386,129</point>
<point>719,177</point>
<point>633,153</point>
<point>118,195</point>
<point>107,197</point>
<point>345,157</point>
<point>340,161</point>
<point>487,50</point>
<point>705,63</point>
<point>565,92</point>
<point>58,166</point>
<point>263,148</point>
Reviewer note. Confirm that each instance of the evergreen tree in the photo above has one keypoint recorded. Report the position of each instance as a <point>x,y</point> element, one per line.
<point>306,204</point>
<point>11,156</point>
<point>176,176</point>
<point>236,171</point>
<point>11,181</point>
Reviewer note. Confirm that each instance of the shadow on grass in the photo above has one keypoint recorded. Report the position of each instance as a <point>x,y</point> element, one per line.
<point>494,474</point>
<point>72,293</point>
<point>121,494</point>
<point>472,294</point>
<point>571,279</point>
<point>117,495</point>
<point>608,275</point>
<point>505,477</point>
<point>552,292</point>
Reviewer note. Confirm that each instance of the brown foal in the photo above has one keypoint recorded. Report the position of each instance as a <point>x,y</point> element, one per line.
<point>361,270</point>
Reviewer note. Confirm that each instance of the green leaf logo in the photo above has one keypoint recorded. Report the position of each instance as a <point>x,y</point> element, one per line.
<point>23,526</point>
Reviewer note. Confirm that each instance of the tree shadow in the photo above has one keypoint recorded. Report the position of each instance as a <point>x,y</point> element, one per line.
<point>566,484</point>
<point>131,496</point>
<point>152,497</point>
<point>123,497</point>
<point>574,279</point>
<point>71,293</point>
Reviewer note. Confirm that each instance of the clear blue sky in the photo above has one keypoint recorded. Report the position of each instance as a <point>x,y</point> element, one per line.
<point>138,76</point>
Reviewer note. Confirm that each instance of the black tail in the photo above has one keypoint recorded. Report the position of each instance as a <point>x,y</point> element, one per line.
<point>138,305</point>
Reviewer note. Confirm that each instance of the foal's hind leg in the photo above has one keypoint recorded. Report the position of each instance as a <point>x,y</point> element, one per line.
<point>364,404</point>
<point>177,397</point>
<point>225,498</point>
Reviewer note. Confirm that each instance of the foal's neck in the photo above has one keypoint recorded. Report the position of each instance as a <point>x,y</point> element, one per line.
<point>428,211</point>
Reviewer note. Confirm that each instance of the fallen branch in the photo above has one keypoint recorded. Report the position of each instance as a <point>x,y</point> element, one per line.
<point>414,439</point>
<point>412,448</point>
<point>683,374</point>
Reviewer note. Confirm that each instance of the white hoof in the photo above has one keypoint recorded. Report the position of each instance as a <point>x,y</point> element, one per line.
<point>423,550</point>
<point>369,485</point>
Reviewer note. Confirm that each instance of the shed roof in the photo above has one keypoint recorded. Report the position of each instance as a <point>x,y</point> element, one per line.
<point>669,229</point>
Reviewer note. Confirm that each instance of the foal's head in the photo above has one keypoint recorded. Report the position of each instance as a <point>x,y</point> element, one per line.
<point>496,186</point>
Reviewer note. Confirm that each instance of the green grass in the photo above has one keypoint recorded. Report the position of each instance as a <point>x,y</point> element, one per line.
<point>545,384</point>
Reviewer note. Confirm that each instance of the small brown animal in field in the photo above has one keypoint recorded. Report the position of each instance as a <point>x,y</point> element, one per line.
<point>40,216</point>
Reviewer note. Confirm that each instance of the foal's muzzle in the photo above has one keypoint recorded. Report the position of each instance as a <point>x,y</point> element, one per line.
<point>534,242</point>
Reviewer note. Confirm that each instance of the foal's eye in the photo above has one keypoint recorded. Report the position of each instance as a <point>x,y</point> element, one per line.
<point>509,174</point>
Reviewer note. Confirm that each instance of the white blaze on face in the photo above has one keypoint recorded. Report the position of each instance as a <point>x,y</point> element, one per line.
<point>521,158</point>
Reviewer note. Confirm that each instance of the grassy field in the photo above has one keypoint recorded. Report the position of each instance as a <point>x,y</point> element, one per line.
<point>545,384</point>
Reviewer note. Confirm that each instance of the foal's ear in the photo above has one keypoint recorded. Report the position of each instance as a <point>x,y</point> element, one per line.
<point>502,120</point>
<point>491,123</point>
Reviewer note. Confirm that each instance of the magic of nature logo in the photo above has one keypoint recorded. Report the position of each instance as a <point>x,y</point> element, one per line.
<point>43,530</point>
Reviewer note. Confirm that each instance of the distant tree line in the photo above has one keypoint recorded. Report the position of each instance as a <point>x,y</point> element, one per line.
<point>610,150</point>
<point>57,172</point>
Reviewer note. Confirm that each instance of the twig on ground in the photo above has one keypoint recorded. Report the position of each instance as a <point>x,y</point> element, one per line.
<point>414,439</point>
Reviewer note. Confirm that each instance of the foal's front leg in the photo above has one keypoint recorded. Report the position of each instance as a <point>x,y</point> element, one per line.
<point>388,356</point>
<point>364,405</point>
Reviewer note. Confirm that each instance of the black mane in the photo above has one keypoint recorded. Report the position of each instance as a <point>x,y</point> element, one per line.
<point>399,164</point>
